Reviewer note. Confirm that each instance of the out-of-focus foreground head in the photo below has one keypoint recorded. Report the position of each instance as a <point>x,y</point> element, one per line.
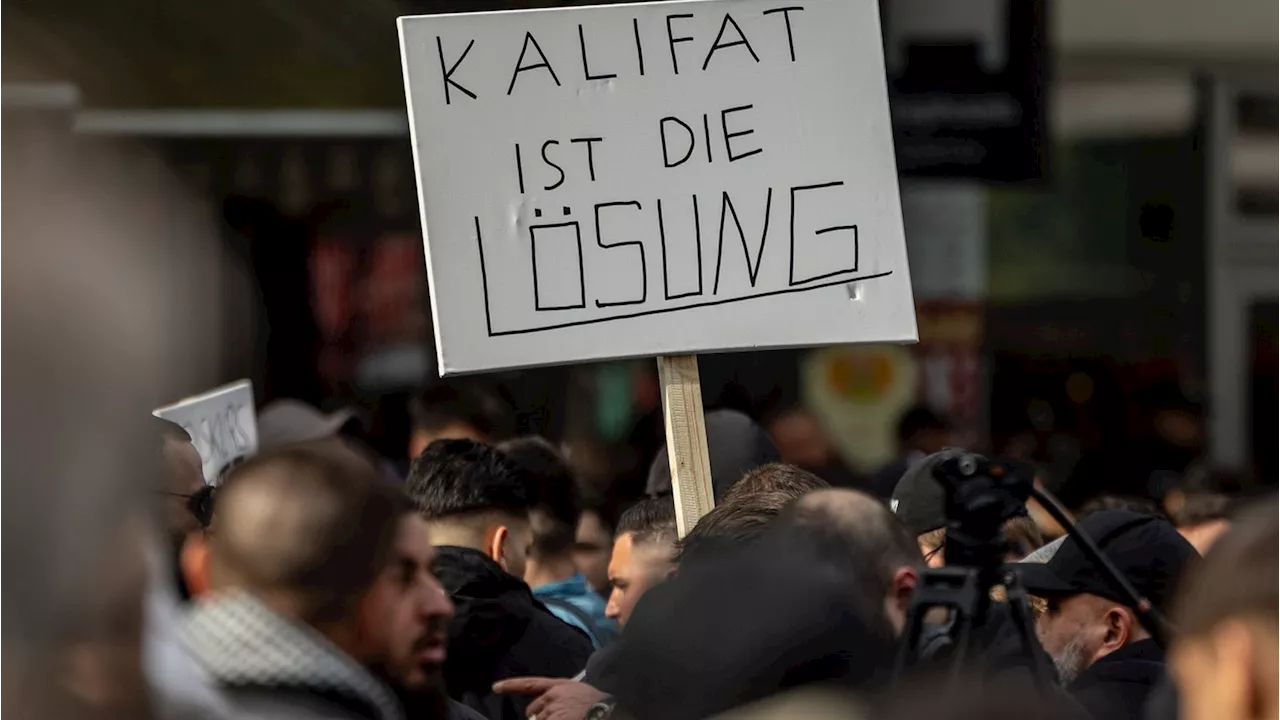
<point>759,619</point>
<point>1225,658</point>
<point>305,529</point>
<point>879,546</point>
<point>315,533</point>
<point>110,307</point>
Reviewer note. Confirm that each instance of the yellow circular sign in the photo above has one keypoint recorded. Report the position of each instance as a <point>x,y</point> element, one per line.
<point>858,392</point>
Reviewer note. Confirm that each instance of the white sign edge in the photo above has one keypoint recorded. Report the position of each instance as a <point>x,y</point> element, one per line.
<point>202,397</point>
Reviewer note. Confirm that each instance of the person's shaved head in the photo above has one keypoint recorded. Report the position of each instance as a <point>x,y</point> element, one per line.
<point>877,542</point>
<point>862,518</point>
<point>306,529</point>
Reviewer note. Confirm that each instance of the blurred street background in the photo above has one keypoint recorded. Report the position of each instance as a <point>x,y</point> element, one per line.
<point>1089,189</point>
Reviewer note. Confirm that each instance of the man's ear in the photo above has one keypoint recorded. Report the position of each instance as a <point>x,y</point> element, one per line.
<point>904,584</point>
<point>496,544</point>
<point>1119,628</point>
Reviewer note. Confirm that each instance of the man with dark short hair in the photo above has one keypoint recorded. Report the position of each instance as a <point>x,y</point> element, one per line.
<point>1224,658</point>
<point>1104,657</point>
<point>549,568</point>
<point>731,524</point>
<point>476,502</point>
<point>320,573</point>
<point>644,556</point>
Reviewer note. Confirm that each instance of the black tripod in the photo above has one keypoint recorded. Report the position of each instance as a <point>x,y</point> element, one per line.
<point>980,496</point>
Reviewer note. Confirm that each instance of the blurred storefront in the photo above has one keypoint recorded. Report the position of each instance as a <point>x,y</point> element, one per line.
<point>1226,52</point>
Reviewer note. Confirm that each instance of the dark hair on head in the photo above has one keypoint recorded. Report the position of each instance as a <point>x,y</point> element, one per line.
<point>607,506</point>
<point>775,478</point>
<point>313,523</point>
<point>1023,535</point>
<point>1237,578</point>
<point>555,494</point>
<point>446,402</point>
<point>460,477</point>
<point>917,420</point>
<point>1117,502</point>
<point>650,521</point>
<point>1199,508</point>
<point>732,523</point>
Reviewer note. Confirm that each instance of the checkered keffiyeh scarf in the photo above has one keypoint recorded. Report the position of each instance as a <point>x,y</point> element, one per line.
<point>242,643</point>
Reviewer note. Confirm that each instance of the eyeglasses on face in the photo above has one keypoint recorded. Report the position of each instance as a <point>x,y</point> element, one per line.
<point>929,555</point>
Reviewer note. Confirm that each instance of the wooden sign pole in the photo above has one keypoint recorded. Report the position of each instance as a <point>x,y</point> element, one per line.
<point>686,439</point>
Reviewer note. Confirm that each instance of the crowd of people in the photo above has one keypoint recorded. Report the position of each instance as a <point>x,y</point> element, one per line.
<point>315,581</point>
<point>467,577</point>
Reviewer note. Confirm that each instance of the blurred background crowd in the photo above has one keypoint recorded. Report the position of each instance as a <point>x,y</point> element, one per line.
<point>1090,213</point>
<point>198,192</point>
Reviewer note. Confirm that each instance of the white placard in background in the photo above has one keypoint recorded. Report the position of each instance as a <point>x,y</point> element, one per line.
<point>654,179</point>
<point>222,424</point>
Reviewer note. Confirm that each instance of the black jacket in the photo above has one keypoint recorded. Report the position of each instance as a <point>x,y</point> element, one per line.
<point>1163,702</point>
<point>748,622</point>
<point>1118,686</point>
<point>601,670</point>
<point>500,631</point>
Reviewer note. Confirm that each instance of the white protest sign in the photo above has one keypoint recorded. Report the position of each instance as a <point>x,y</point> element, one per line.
<point>655,179</point>
<point>221,422</point>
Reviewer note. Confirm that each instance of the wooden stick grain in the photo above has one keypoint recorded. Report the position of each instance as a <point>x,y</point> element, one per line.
<point>686,439</point>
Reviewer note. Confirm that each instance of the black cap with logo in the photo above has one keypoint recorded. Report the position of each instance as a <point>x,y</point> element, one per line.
<point>1147,550</point>
<point>918,499</point>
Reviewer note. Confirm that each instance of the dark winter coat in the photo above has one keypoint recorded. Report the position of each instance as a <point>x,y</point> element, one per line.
<point>1118,686</point>
<point>500,631</point>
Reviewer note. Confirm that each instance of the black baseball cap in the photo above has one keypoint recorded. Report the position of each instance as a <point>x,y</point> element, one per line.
<point>735,444</point>
<point>1145,548</point>
<point>918,499</point>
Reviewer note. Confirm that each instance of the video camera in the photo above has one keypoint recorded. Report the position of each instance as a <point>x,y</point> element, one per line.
<point>980,496</point>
